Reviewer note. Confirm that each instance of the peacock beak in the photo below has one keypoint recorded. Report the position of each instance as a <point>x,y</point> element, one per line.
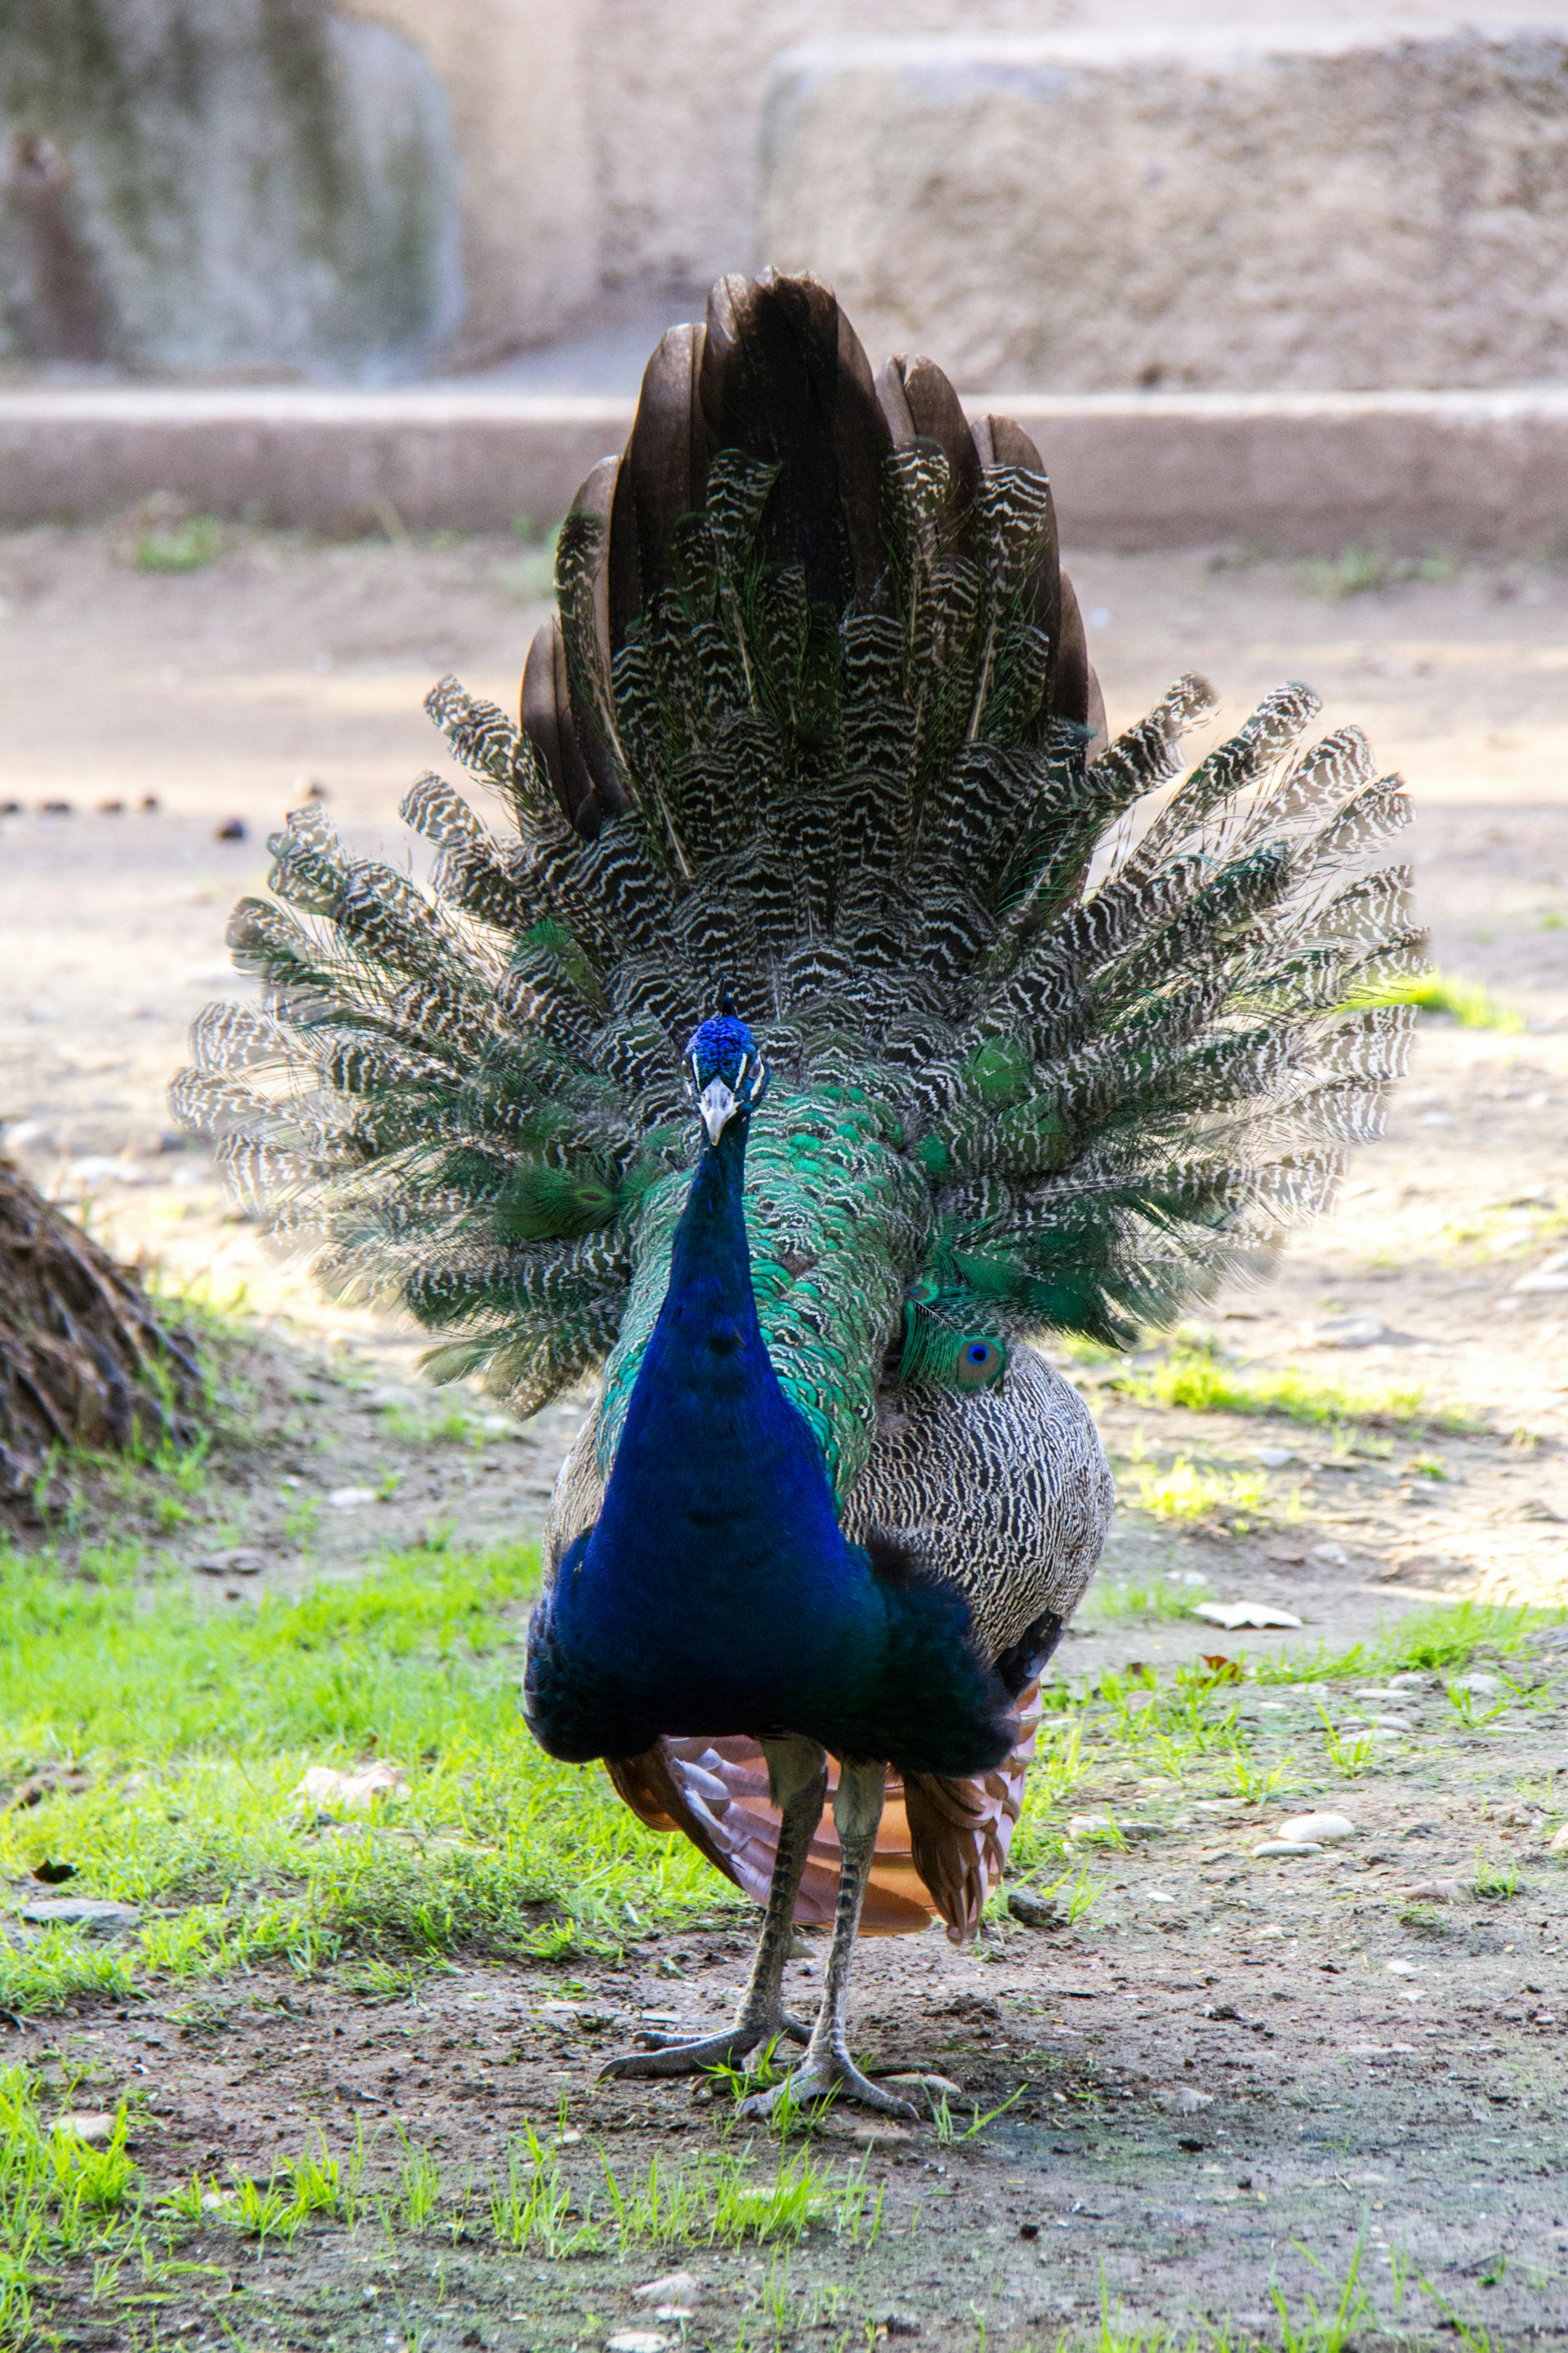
<point>717,1105</point>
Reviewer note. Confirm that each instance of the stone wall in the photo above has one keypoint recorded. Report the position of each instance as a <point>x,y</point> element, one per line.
<point>373,186</point>
<point>1034,215</point>
<point>219,185</point>
<point>516,73</point>
<point>678,88</point>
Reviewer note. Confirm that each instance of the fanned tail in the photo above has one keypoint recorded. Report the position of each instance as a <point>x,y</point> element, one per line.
<point>1055,1047</point>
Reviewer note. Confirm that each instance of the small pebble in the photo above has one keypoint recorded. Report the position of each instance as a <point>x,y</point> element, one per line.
<point>93,1917</point>
<point>89,2124</point>
<point>1482,1684</point>
<point>232,829</point>
<point>1036,1911</point>
<point>1274,1458</point>
<point>1286,1846</point>
<point>324,1785</point>
<point>635,2340</point>
<point>1347,1331</point>
<point>1322,1827</point>
<point>1441,1891</point>
<point>239,1560</point>
<point>671,2287</point>
<point>1558,1842</point>
<point>350,1499</point>
<point>1233,1614</point>
<point>937,2088</point>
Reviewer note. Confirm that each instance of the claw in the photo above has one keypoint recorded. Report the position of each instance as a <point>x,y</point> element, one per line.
<point>745,2039</point>
<point>827,2075</point>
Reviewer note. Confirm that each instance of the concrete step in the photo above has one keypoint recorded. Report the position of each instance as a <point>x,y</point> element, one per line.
<point>1481,473</point>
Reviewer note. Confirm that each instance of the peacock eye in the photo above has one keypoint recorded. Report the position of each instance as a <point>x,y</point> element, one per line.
<point>979,1363</point>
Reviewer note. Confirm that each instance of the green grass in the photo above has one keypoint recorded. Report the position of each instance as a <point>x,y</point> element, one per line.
<point>1115,1601</point>
<point>62,2200</point>
<point>191,1726</point>
<point>57,2196</point>
<point>187,546</point>
<point>1200,1380</point>
<point>1365,571</point>
<point>1464,1001</point>
<point>1437,1639</point>
<point>194,1726</point>
<point>1186,1491</point>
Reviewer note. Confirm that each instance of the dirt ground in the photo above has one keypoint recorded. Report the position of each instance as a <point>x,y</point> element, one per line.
<point>1357,2073</point>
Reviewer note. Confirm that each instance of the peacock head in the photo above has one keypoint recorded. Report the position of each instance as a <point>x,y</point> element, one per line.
<point>728,1073</point>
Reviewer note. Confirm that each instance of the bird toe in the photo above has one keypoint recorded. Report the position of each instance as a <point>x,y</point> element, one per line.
<point>829,2076</point>
<point>745,2039</point>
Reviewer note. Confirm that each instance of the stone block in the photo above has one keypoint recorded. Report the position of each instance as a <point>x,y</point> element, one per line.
<point>1033,214</point>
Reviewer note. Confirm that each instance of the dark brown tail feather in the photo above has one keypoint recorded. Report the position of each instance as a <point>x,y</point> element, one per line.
<point>776,371</point>
<point>941,1850</point>
<point>663,476</point>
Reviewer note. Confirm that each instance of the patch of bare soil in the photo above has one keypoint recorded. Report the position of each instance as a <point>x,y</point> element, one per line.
<point>1234,2072</point>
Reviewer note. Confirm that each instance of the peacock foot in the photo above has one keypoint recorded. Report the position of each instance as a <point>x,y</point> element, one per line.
<point>827,2074</point>
<point>749,2039</point>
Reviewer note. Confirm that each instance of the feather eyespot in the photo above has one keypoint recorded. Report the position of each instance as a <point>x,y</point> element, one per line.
<point>980,1362</point>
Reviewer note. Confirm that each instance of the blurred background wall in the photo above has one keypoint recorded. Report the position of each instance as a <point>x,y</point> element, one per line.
<point>216,185</point>
<point>1065,194</point>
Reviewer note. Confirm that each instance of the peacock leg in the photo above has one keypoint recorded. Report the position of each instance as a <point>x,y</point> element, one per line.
<point>797,1783</point>
<point>826,2065</point>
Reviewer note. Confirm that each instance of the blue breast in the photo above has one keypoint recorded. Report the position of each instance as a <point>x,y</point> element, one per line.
<point>716,1592</point>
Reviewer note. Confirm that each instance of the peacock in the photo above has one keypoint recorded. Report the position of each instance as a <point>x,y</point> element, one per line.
<point>838,1013</point>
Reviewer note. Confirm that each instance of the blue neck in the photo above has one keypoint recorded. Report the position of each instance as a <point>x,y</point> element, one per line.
<point>717,1529</point>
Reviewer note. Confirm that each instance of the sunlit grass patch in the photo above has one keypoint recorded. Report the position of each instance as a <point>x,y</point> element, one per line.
<point>1464,1001</point>
<point>1365,571</point>
<point>188,546</point>
<point>58,2196</point>
<point>544,2203</point>
<point>1113,1601</point>
<point>1186,1492</point>
<point>1437,1639</point>
<point>58,1965</point>
<point>1200,1380</point>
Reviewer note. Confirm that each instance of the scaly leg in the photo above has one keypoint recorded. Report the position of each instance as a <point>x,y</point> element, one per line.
<point>797,1783</point>
<point>828,2066</point>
